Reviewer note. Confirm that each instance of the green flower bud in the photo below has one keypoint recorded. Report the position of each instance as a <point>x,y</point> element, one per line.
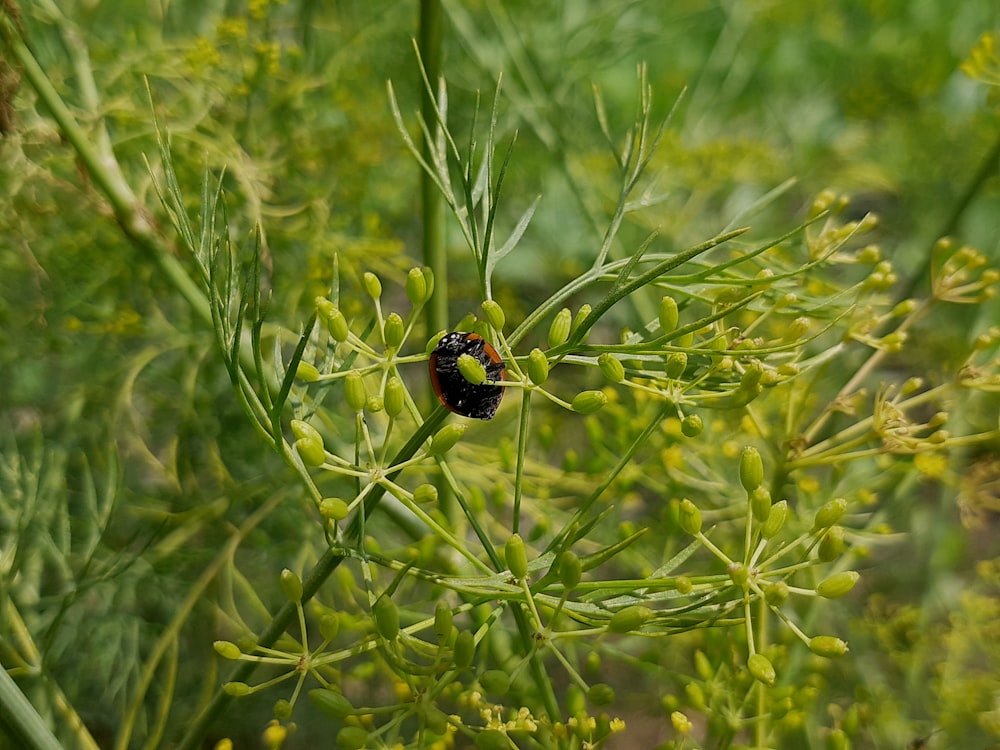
<point>601,694</point>
<point>329,626</point>
<point>372,285</point>
<point>560,329</point>
<point>703,666</point>
<point>416,287</point>
<point>838,584</point>
<point>492,739</point>
<point>425,493</point>
<point>689,517</point>
<point>683,584</point>
<point>374,404</point>
<point>324,307</point>
<point>354,390</point>
<point>516,556</point>
<point>352,738</point>
<point>465,649</point>
<point>302,429</point>
<point>306,372</point>
<point>580,316</point>
<point>395,397</point>
<point>236,689</point>
<point>570,570</point>
<point>776,593</point>
<point>393,330</point>
<point>760,504</point>
<point>681,723</point>
<point>611,367</point>
<point>837,739</point>
<point>668,315</point>
<point>675,364</point>
<point>336,324</point>
<point>446,438</point>
<point>830,513</point>
<point>333,508</point>
<point>775,519</point>
<point>386,617</point>
<point>760,667</point>
<point>472,369</point>
<point>227,649</point>
<point>291,585</point>
<point>797,329</point>
<point>827,645</point>
<point>692,426</point>
<point>538,366</point>
<point>495,681</point>
<point>443,619</point>
<point>695,695</point>
<point>738,573</point>
<point>588,402</point>
<point>630,618</point>
<point>751,469</point>
<point>832,544</point>
<point>282,710</point>
<point>494,315</point>
<point>310,451</point>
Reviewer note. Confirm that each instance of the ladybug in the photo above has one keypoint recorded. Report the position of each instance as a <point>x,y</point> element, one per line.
<point>451,387</point>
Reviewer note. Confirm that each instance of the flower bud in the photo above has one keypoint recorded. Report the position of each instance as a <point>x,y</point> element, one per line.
<point>282,712</point>
<point>832,544</point>
<point>310,451</point>
<point>830,513</point>
<point>302,429</point>
<point>695,695</point>
<point>797,329</point>
<point>570,570</point>
<point>372,285</point>
<point>837,739</point>
<point>668,314</point>
<point>683,584</point>
<point>775,519</point>
<point>581,315</point>
<point>675,364</point>
<point>227,649</point>
<point>236,689</point>
<point>446,438</point>
<point>611,367</point>
<point>416,287</point>
<point>354,390</point>
<point>588,402</point>
<point>689,517</point>
<point>352,738</point>
<point>291,585</point>
<point>838,584</point>
<point>738,573</point>
<point>630,618</point>
<point>495,681</point>
<point>425,493</point>
<point>331,703</point>
<point>472,369</point>
<point>682,724</point>
<point>393,331</point>
<point>329,626</point>
<point>306,372</point>
<point>516,556</point>
<point>394,398</point>
<point>494,315</point>
<point>465,649</point>
<point>601,694</point>
<point>386,617</point>
<point>560,328</point>
<point>827,645</point>
<point>776,593</point>
<point>333,508</point>
<point>538,366</point>
<point>692,426</point>
<point>760,504</point>
<point>762,670</point>
<point>751,469</point>
<point>443,621</point>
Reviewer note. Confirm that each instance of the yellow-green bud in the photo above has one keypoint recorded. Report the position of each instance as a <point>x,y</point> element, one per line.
<point>762,670</point>
<point>306,372</point>
<point>291,585</point>
<point>675,364</point>
<point>738,573</point>
<point>538,366</point>
<point>601,694</point>
<point>775,519</point>
<point>668,315</point>
<point>838,584</point>
<point>751,469</point>
<point>302,429</point>
<point>393,330</point>
<point>830,513</point>
<point>837,739</point>
<point>832,544</point>
<point>416,286</point>
<point>386,617</point>
<point>797,329</point>
<point>494,315</point>
<point>395,397</point>
<point>588,402</point>
<point>692,426</point>
<point>333,508</point>
<point>560,328</point>
<point>776,593</point>
<point>331,703</point>
<point>683,584</point>
<point>703,666</point>
<point>227,649</point>
<point>465,649</point>
<point>516,556</point>
<point>472,369</point>
<point>630,618</point>
<point>374,404</point>
<point>827,645</point>
<point>570,570</point>
<point>611,367</point>
<point>329,626</point>
<point>695,695</point>
<point>492,739</point>
<point>425,493</point>
<point>580,316</point>
<point>354,390</point>
<point>689,517</point>
<point>446,438</point>
<point>310,451</point>
<point>324,307</point>
<point>682,724</point>
<point>282,711</point>
<point>352,738</point>
<point>372,285</point>
<point>495,681</point>
<point>760,504</point>
<point>443,619</point>
<point>236,689</point>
